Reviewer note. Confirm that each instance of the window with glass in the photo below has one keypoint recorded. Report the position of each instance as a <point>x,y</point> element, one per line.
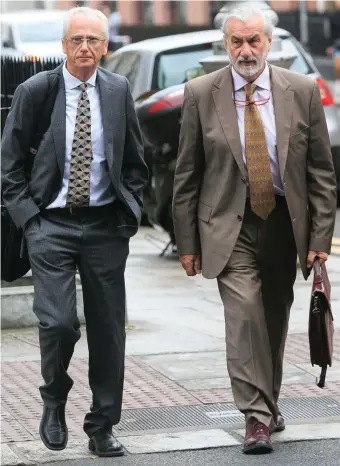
<point>126,64</point>
<point>50,31</point>
<point>178,11</point>
<point>145,13</point>
<point>300,64</point>
<point>172,67</point>
<point>113,63</point>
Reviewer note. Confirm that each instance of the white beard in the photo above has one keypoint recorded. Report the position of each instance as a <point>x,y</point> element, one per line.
<point>246,70</point>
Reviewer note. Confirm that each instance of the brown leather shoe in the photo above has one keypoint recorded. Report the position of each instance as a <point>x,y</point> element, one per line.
<point>257,438</point>
<point>280,424</point>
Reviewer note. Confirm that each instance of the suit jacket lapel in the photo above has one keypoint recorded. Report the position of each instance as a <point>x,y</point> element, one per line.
<point>107,108</point>
<point>227,114</point>
<point>283,107</point>
<point>58,120</point>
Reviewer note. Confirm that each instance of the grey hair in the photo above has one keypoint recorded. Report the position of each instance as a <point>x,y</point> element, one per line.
<point>88,13</point>
<point>246,13</point>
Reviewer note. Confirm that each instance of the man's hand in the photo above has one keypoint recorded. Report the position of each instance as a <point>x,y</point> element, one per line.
<point>191,263</point>
<point>323,256</point>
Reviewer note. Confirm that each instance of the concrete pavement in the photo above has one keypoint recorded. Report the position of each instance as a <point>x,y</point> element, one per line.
<point>317,453</point>
<point>177,391</point>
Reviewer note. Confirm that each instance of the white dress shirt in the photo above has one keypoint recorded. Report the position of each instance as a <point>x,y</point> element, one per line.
<point>100,187</point>
<point>262,92</point>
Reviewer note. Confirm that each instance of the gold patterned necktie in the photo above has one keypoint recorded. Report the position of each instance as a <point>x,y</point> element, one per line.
<point>262,196</point>
<point>81,156</point>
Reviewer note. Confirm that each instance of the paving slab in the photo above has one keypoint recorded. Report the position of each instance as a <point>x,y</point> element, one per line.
<point>203,384</point>
<point>36,453</point>
<point>9,458</point>
<point>164,442</point>
<point>189,365</point>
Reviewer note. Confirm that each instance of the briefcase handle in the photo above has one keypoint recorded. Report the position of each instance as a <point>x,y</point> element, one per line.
<point>317,266</point>
<point>317,272</point>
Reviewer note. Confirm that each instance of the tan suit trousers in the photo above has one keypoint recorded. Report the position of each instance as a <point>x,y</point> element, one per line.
<point>256,288</point>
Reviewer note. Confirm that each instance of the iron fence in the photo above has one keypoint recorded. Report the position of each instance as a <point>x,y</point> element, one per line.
<point>16,70</point>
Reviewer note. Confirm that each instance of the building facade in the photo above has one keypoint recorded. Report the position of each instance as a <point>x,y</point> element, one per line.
<point>192,12</point>
<point>163,12</point>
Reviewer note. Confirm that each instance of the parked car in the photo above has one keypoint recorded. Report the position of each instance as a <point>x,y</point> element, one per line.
<point>334,51</point>
<point>159,115</point>
<point>155,64</point>
<point>34,33</point>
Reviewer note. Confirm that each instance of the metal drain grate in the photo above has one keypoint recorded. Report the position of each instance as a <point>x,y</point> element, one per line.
<point>173,417</point>
<point>309,407</point>
<point>135,420</point>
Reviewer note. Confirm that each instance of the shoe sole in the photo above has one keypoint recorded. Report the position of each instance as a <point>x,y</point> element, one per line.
<point>51,447</point>
<point>258,449</point>
<point>109,454</point>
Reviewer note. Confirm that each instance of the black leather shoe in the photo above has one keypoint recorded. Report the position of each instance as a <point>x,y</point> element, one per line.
<point>53,429</point>
<point>104,444</point>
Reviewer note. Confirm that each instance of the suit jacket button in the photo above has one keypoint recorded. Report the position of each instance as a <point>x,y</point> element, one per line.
<point>239,217</point>
<point>243,180</point>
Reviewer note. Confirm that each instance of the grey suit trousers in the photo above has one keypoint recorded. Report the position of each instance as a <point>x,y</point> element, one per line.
<point>256,288</point>
<point>58,244</point>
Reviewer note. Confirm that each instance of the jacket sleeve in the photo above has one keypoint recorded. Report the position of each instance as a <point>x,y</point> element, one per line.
<point>321,180</point>
<point>15,147</point>
<point>134,169</point>
<point>188,177</point>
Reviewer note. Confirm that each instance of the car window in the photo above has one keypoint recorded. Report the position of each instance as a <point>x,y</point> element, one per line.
<point>113,63</point>
<point>299,65</point>
<point>171,66</point>
<point>44,31</point>
<point>126,64</point>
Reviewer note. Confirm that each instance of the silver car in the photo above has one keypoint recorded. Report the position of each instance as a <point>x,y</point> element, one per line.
<point>32,33</point>
<point>155,64</point>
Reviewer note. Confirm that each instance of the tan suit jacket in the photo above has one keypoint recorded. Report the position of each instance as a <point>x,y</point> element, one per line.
<point>210,185</point>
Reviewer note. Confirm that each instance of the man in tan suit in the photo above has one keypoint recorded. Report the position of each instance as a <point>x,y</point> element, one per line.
<point>254,187</point>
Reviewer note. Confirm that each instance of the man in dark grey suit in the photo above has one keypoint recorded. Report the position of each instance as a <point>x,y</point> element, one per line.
<point>78,208</point>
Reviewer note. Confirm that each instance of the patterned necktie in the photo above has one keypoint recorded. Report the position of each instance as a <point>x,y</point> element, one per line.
<point>262,196</point>
<point>81,156</point>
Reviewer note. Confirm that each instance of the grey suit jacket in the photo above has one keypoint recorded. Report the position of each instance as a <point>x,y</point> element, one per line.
<point>25,197</point>
<point>210,186</point>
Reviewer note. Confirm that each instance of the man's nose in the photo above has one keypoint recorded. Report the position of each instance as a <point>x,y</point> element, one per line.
<point>84,45</point>
<point>246,50</point>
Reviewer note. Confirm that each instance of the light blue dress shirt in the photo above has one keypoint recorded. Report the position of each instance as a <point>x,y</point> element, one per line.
<point>101,190</point>
<point>262,92</point>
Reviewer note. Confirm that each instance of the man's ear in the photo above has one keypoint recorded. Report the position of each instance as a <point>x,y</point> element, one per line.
<point>270,40</point>
<point>226,45</point>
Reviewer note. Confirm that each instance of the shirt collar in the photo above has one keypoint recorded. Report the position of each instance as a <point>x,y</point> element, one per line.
<point>71,82</point>
<point>263,81</point>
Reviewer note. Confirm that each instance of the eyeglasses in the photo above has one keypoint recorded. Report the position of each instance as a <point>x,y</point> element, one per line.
<point>91,41</point>
<point>245,103</point>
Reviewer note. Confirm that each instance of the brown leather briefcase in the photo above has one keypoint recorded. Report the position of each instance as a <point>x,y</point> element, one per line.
<point>321,327</point>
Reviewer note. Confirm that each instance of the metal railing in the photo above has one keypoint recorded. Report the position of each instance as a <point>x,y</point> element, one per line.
<point>16,70</point>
